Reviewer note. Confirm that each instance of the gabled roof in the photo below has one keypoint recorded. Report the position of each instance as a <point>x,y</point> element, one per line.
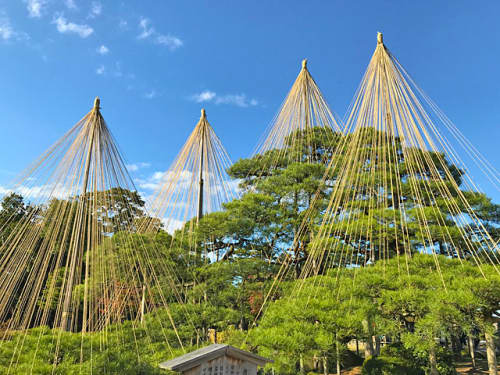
<point>193,359</point>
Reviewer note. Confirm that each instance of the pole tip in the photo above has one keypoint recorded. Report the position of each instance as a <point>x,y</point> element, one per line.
<point>380,38</point>
<point>203,113</point>
<point>304,64</point>
<point>97,103</point>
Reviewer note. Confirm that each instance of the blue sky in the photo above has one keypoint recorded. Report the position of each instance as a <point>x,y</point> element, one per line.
<point>156,63</point>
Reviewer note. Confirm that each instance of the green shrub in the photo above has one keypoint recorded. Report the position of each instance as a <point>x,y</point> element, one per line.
<point>403,354</point>
<point>444,358</point>
<point>445,363</point>
<point>388,366</point>
<point>350,359</point>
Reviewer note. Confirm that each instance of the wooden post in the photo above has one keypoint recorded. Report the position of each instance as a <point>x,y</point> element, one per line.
<point>66,313</point>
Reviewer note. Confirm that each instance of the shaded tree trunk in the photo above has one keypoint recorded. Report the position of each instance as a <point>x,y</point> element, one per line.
<point>433,362</point>
<point>491,353</point>
<point>376,341</point>
<point>369,351</point>
<point>456,345</point>
<point>472,352</point>
<point>337,355</point>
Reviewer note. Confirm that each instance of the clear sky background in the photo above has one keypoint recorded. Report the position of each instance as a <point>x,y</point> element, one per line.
<point>156,63</point>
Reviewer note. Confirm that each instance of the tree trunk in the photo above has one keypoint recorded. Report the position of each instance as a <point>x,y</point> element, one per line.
<point>316,365</point>
<point>337,354</point>
<point>357,346</point>
<point>325,365</point>
<point>301,365</point>
<point>433,362</point>
<point>456,345</point>
<point>376,341</point>
<point>369,352</point>
<point>472,352</point>
<point>491,353</point>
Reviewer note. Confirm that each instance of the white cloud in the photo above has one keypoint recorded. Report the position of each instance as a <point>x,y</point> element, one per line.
<point>204,96</point>
<point>239,100</point>
<point>171,225</point>
<point>151,94</point>
<point>118,70</point>
<point>100,70</point>
<point>169,41</point>
<point>136,166</point>
<point>103,50</point>
<point>6,31</point>
<point>114,70</point>
<point>95,9</point>
<point>152,183</point>
<point>123,24</point>
<point>148,32</point>
<point>35,7</point>
<point>41,193</point>
<point>63,26</point>
<point>70,4</point>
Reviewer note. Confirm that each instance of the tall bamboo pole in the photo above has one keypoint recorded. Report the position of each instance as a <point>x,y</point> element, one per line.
<point>66,318</point>
<point>202,144</point>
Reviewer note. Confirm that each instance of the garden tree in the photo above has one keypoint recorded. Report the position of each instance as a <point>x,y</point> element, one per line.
<point>220,294</point>
<point>404,202</point>
<point>127,348</point>
<point>383,207</point>
<point>215,275</point>
<point>130,291</point>
<point>477,295</point>
<point>238,284</point>
<point>489,214</point>
<point>287,333</point>
<point>413,304</point>
<point>420,302</point>
<point>314,320</point>
<point>404,299</point>
<point>13,210</point>
<point>116,209</point>
<point>264,222</point>
<point>467,302</point>
<point>366,288</point>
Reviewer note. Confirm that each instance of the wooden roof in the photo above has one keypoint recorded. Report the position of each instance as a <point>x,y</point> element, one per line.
<point>195,358</point>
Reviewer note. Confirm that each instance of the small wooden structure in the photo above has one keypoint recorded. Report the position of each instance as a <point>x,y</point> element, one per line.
<point>216,359</point>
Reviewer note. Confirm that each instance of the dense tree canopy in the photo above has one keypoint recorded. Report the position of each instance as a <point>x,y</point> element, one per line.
<point>215,276</point>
